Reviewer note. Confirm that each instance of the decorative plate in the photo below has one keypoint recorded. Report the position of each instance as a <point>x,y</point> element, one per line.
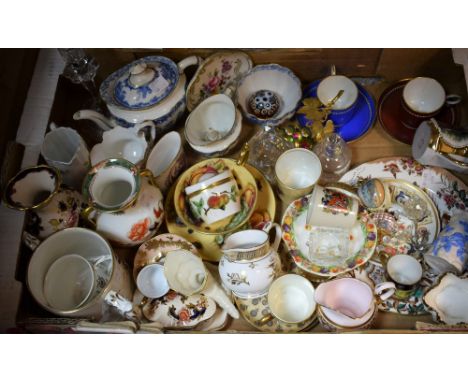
<point>156,249</point>
<point>252,310</point>
<point>215,74</point>
<point>449,193</point>
<point>407,212</point>
<point>245,182</point>
<point>363,240</point>
<point>114,88</point>
<point>174,310</point>
<point>389,111</point>
<point>209,246</point>
<point>362,120</point>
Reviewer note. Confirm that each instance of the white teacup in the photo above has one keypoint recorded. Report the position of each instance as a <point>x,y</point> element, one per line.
<point>211,121</point>
<point>152,282</point>
<point>297,171</point>
<point>69,282</point>
<point>215,198</point>
<point>405,272</point>
<point>291,299</point>
<point>166,160</point>
<point>424,95</point>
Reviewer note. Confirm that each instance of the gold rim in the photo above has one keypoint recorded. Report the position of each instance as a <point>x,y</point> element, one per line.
<point>212,185</point>
<point>58,182</point>
<point>322,315</point>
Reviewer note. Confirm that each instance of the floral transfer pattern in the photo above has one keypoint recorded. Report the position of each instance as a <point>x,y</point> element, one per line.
<point>139,230</point>
<point>409,165</point>
<point>336,203</point>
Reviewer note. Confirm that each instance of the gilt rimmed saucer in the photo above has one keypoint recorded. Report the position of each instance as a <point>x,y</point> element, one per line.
<point>362,120</point>
<point>362,241</point>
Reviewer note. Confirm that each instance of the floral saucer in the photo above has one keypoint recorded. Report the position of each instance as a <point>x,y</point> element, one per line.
<point>174,310</point>
<point>389,110</point>
<point>155,249</point>
<point>215,74</point>
<point>449,193</point>
<point>245,182</point>
<point>253,309</point>
<point>362,241</point>
<point>209,246</point>
<point>362,120</point>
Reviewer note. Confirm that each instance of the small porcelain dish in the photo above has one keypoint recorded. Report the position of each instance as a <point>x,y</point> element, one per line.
<point>278,80</point>
<point>448,299</point>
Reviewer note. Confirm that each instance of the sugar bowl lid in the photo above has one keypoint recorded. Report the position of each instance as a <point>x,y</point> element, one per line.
<point>142,83</point>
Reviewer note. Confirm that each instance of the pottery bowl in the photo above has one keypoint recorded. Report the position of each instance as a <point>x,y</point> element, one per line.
<point>278,80</point>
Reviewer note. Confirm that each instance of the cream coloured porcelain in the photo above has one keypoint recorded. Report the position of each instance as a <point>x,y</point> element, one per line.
<point>331,85</point>
<point>424,95</point>
<point>448,299</point>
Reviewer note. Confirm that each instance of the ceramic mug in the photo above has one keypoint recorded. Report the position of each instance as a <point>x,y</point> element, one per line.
<point>64,149</point>
<point>166,160</point>
<point>449,251</point>
<point>296,172</point>
<point>114,277</point>
<point>344,107</point>
<point>438,145</point>
<point>290,299</point>
<point>348,303</point>
<point>215,198</point>
<point>69,282</point>
<point>405,272</point>
<point>422,99</point>
<point>212,120</point>
<point>331,208</point>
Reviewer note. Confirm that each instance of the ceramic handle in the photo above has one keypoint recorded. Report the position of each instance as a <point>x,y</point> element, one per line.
<point>140,127</point>
<point>265,319</point>
<point>380,289</point>
<point>147,174</point>
<point>278,234</point>
<point>452,99</point>
<point>230,91</point>
<point>53,126</point>
<point>188,61</point>
<point>333,70</point>
<point>86,214</point>
<point>123,306</point>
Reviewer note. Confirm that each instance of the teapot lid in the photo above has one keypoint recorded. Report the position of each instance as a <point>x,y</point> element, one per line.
<point>142,83</point>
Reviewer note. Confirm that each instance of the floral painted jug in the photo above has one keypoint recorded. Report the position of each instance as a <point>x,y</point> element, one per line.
<point>124,203</point>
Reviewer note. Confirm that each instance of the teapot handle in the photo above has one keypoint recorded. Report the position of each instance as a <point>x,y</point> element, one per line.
<point>140,128</point>
<point>86,214</point>
<point>278,234</point>
<point>189,61</point>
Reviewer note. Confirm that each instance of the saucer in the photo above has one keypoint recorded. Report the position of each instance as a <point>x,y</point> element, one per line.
<point>208,245</point>
<point>253,309</point>
<point>362,241</point>
<point>362,120</point>
<point>215,74</point>
<point>389,110</point>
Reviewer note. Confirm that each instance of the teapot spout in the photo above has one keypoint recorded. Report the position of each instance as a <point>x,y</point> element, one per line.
<point>103,122</point>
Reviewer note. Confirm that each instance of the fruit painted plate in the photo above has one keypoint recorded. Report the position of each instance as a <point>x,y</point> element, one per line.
<point>209,246</point>
<point>253,309</point>
<point>156,249</point>
<point>245,182</point>
<point>215,74</point>
<point>362,236</point>
<point>449,193</point>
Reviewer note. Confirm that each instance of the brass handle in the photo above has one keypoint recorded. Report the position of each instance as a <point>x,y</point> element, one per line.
<point>265,319</point>
<point>85,214</point>
<point>244,155</point>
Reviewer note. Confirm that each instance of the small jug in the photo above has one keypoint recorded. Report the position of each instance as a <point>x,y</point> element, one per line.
<point>250,263</point>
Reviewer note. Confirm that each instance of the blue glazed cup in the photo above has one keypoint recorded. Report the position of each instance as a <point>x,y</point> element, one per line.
<point>344,108</point>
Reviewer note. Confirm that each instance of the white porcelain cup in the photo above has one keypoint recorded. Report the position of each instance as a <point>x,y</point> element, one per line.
<point>211,121</point>
<point>166,160</point>
<point>423,95</point>
<point>64,149</point>
<point>297,171</point>
<point>405,272</point>
<point>291,299</point>
<point>152,282</point>
<point>215,198</point>
<point>69,282</point>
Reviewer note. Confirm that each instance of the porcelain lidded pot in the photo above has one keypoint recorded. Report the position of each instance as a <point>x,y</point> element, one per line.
<point>50,207</point>
<point>124,203</point>
<point>149,89</point>
<point>250,263</point>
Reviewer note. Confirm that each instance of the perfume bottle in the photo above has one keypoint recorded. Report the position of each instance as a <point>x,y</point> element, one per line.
<point>335,157</point>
